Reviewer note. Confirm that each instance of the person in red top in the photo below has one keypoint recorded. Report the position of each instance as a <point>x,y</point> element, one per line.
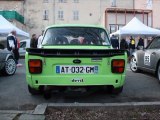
<point>18,46</point>
<point>18,43</point>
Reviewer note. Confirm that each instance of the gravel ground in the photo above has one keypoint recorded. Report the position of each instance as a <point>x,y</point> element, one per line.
<point>103,113</point>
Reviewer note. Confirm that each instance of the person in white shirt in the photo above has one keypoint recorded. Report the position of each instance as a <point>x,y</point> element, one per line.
<point>12,44</point>
<point>40,40</point>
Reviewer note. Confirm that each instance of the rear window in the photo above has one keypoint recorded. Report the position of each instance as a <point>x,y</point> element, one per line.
<point>75,36</point>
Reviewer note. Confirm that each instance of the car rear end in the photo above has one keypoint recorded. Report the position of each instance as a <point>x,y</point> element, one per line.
<point>75,66</point>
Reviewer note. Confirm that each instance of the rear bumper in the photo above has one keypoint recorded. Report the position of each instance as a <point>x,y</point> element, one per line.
<point>83,80</point>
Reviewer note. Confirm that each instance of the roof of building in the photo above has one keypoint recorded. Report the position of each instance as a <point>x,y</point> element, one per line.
<point>124,10</point>
<point>11,14</point>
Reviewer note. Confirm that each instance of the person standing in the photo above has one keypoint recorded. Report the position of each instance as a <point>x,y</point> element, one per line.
<point>12,45</point>
<point>40,39</point>
<point>132,45</point>
<point>114,42</point>
<point>18,46</point>
<point>140,44</point>
<point>124,45</point>
<point>34,41</point>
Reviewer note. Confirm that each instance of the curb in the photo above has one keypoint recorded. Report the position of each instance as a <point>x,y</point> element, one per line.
<point>40,109</point>
<point>102,104</point>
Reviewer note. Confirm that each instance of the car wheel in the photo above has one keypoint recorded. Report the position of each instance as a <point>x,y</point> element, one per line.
<point>117,91</point>
<point>47,95</point>
<point>114,91</point>
<point>10,67</point>
<point>33,91</point>
<point>158,73</point>
<point>133,64</point>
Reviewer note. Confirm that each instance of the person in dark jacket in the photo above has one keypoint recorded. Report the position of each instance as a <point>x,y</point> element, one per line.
<point>12,45</point>
<point>124,45</point>
<point>140,44</point>
<point>114,42</point>
<point>34,41</point>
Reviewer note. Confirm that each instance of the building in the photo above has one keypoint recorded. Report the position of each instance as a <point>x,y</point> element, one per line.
<point>118,16</point>
<point>39,14</point>
<point>156,16</point>
<point>112,14</point>
<point>13,10</point>
<point>49,12</point>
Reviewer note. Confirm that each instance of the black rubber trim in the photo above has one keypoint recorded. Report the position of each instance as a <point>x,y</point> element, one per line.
<point>74,52</point>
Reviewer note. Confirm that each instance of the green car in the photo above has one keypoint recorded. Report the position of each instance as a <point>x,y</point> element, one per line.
<point>75,57</point>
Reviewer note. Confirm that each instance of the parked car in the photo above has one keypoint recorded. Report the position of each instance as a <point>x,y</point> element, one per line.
<point>23,45</point>
<point>75,58</point>
<point>7,61</point>
<point>147,59</point>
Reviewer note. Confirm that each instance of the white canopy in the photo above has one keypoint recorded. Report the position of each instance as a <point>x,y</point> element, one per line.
<point>136,27</point>
<point>6,27</point>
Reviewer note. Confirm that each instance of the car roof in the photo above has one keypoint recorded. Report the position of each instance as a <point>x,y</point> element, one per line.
<point>76,25</point>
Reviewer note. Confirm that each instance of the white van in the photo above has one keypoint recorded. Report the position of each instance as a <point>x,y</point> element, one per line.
<point>23,45</point>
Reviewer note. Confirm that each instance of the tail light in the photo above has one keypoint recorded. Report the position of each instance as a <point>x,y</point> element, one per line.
<point>35,66</point>
<point>118,66</point>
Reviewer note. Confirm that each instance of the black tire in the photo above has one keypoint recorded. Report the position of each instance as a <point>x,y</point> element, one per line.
<point>47,95</point>
<point>158,72</point>
<point>33,91</point>
<point>117,91</point>
<point>133,65</point>
<point>10,67</point>
<point>113,91</point>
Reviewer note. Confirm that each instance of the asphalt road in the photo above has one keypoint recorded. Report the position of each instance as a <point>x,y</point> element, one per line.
<point>139,87</point>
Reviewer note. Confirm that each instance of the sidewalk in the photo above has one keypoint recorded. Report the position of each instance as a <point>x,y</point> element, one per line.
<point>37,114</point>
<point>85,111</point>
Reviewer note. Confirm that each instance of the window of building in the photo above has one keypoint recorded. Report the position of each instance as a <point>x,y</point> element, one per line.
<point>112,28</point>
<point>76,1</point>
<point>76,15</point>
<point>45,1</point>
<point>113,3</point>
<point>115,27</point>
<point>60,15</point>
<point>62,1</point>
<point>149,4</point>
<point>46,15</point>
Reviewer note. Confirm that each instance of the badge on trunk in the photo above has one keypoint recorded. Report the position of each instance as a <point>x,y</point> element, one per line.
<point>77,80</point>
<point>77,61</point>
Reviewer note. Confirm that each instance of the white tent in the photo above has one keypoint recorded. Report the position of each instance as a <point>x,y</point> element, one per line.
<point>136,27</point>
<point>6,27</point>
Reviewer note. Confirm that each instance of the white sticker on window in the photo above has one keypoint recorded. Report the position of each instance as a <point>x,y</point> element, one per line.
<point>147,59</point>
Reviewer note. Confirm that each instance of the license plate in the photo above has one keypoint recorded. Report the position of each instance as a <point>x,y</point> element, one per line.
<point>71,69</point>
